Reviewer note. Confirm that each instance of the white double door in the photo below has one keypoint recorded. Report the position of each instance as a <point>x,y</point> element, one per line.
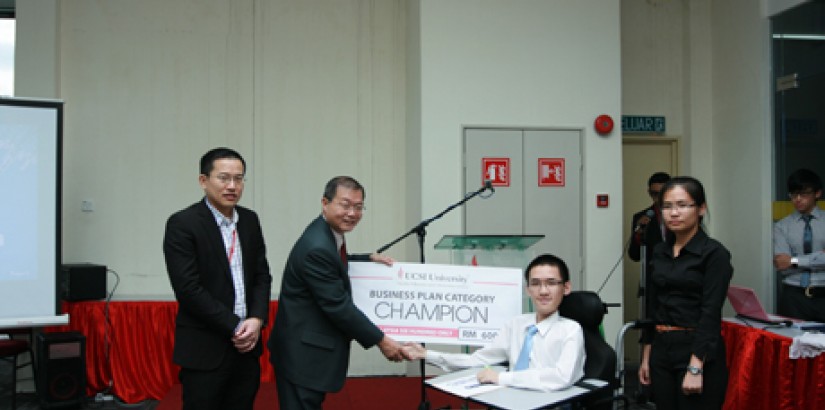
<point>536,175</point>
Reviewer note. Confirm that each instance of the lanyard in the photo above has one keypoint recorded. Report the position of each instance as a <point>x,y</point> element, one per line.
<point>232,246</point>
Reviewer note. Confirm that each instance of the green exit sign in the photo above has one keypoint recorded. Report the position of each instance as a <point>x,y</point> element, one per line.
<point>643,124</point>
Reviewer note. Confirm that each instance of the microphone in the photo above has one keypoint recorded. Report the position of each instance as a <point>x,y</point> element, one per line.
<point>650,214</point>
<point>488,184</point>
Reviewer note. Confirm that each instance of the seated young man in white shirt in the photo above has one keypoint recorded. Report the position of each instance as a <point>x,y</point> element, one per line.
<point>556,359</point>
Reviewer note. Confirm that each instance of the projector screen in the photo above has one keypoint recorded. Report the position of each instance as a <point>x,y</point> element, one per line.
<point>30,168</point>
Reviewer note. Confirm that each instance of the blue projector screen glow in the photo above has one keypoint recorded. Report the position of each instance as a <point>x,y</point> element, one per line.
<point>29,222</point>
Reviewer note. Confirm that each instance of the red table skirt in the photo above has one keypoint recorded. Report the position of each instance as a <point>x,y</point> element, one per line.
<point>141,337</point>
<point>763,376</point>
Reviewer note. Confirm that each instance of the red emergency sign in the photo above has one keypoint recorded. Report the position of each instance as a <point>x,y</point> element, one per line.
<point>497,170</point>
<point>551,172</point>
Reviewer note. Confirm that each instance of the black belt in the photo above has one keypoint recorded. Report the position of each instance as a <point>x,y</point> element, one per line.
<point>811,291</point>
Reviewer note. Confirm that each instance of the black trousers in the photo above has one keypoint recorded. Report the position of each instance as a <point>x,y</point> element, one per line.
<point>294,397</point>
<point>669,357</point>
<point>232,386</point>
<point>793,303</point>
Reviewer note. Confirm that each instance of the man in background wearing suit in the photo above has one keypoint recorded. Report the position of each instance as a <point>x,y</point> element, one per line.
<point>216,260</point>
<point>317,319</point>
<point>648,229</point>
<point>643,230</point>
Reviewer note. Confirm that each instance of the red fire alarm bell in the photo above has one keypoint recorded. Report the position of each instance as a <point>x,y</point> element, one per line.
<point>603,124</point>
<point>602,200</point>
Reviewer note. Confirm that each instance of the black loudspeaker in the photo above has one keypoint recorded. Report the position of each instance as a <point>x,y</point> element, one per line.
<point>82,281</point>
<point>61,369</point>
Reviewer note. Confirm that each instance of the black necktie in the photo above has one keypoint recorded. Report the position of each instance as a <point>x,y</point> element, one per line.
<point>807,247</point>
<point>807,236</point>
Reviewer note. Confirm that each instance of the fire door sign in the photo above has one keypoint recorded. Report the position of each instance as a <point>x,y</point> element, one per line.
<point>551,172</point>
<point>497,170</point>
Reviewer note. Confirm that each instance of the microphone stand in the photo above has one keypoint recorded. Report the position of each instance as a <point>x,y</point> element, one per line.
<point>642,392</point>
<point>642,294</point>
<point>421,231</point>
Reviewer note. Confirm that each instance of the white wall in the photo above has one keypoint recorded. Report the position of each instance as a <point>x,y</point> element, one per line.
<point>742,141</point>
<point>36,50</point>
<point>305,90</point>
<point>654,66</point>
<point>532,64</point>
<point>146,94</point>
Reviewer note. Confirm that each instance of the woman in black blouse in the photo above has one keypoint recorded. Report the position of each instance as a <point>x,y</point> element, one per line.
<point>684,357</point>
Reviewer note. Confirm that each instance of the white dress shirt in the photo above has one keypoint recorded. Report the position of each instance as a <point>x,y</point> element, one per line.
<point>556,360</point>
<point>228,227</point>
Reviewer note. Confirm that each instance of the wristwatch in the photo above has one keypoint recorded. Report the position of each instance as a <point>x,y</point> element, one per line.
<point>694,370</point>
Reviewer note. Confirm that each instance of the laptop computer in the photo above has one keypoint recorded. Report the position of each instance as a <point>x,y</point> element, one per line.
<point>746,305</point>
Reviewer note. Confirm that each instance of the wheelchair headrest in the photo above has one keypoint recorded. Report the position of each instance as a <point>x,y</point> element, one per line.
<point>583,306</point>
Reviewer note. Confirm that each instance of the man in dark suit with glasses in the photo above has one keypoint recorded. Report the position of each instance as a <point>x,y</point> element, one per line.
<point>216,260</point>
<point>317,319</point>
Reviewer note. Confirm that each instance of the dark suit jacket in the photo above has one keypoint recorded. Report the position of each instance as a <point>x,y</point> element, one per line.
<point>650,234</point>
<point>317,319</point>
<point>198,268</point>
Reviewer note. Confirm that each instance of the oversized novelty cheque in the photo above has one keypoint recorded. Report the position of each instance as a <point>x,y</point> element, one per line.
<point>430,303</point>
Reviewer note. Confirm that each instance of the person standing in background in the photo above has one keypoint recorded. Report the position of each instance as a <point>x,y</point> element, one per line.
<point>683,359</point>
<point>216,261</point>
<point>648,229</point>
<point>643,230</point>
<point>317,318</point>
<point>798,243</point>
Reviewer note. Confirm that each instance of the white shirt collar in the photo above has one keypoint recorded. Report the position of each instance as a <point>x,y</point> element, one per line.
<point>545,325</point>
<point>220,218</point>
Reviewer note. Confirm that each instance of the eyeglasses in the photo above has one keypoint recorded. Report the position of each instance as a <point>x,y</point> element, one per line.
<point>346,206</point>
<point>800,194</point>
<point>226,179</point>
<point>681,206</point>
<point>550,283</point>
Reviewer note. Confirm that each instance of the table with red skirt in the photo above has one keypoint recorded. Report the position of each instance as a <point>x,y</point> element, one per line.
<point>763,376</point>
<point>140,338</point>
